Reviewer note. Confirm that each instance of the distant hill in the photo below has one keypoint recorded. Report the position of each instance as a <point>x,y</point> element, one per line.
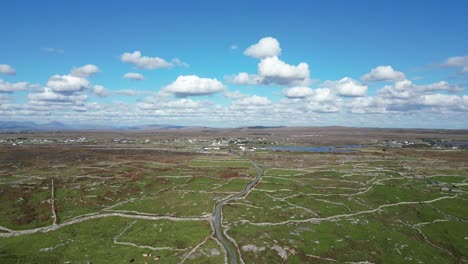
<point>149,127</point>
<point>264,127</point>
<point>13,125</point>
<point>16,126</point>
<point>30,126</point>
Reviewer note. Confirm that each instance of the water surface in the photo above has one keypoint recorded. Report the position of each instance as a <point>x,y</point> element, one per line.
<point>341,149</point>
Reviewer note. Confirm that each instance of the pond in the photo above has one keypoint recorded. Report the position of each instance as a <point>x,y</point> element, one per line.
<point>462,144</point>
<point>341,149</point>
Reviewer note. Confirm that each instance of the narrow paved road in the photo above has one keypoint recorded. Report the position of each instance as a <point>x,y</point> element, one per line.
<point>231,251</point>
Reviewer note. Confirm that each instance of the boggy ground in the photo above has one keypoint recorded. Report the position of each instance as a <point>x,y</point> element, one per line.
<point>82,203</point>
<point>398,206</point>
<point>103,202</point>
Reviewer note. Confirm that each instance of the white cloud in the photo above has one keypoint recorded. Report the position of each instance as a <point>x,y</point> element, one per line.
<point>183,103</point>
<point>6,87</point>
<point>244,78</point>
<point>322,108</point>
<point>440,100</point>
<point>363,105</point>
<point>143,62</point>
<point>400,89</point>
<point>234,95</point>
<point>406,89</point>
<point>465,70</point>
<point>458,61</point>
<point>439,86</point>
<point>383,73</point>
<point>134,76</point>
<point>233,47</point>
<point>253,100</point>
<point>192,85</point>
<point>178,62</point>
<point>49,95</point>
<point>404,96</point>
<point>5,98</point>
<point>85,71</point>
<point>67,83</point>
<point>274,70</point>
<point>298,92</point>
<point>266,47</point>
<point>127,92</point>
<point>271,70</point>
<point>323,95</point>
<point>321,100</point>
<point>7,69</point>
<point>347,87</point>
<point>100,91</point>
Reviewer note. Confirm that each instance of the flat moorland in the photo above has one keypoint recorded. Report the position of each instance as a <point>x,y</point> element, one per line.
<point>150,196</point>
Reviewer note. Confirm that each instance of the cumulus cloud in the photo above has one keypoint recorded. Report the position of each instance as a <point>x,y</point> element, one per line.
<point>234,95</point>
<point>266,47</point>
<point>253,100</point>
<point>178,62</point>
<point>85,71</point>
<point>406,89</point>
<point>100,91</point>
<point>383,73</point>
<point>458,61</point>
<point>143,62</point>
<point>298,92</point>
<point>440,86</point>
<point>322,108</point>
<point>273,70</point>
<point>400,89</point>
<point>6,87</point>
<point>347,87</point>
<point>323,95</point>
<point>465,70</point>
<point>244,78</point>
<point>404,96</point>
<point>66,91</point>
<point>7,69</point>
<point>192,85</point>
<point>5,98</point>
<point>363,105</point>
<point>49,95</point>
<point>440,100</point>
<point>321,100</point>
<point>134,76</point>
<point>67,83</point>
<point>127,92</point>
<point>183,103</point>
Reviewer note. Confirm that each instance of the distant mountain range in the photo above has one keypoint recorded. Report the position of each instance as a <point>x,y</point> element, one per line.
<point>15,126</point>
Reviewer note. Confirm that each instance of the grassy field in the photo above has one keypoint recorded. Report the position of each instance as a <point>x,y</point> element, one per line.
<point>396,209</point>
<point>156,206</point>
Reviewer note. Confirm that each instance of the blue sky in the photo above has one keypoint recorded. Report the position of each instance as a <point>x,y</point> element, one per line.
<point>193,56</point>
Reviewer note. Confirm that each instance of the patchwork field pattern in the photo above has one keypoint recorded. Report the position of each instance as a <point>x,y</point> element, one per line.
<point>88,204</point>
<point>113,205</point>
<point>392,208</point>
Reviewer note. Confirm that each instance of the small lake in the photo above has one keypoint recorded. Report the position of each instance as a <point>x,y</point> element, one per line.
<point>340,149</point>
<point>463,144</point>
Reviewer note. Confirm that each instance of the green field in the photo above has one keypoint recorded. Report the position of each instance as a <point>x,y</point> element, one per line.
<point>159,208</point>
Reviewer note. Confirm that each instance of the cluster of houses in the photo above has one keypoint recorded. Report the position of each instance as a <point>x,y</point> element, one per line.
<point>424,143</point>
<point>242,144</point>
<point>23,140</point>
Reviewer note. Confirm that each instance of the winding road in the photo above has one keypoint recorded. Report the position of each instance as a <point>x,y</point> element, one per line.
<point>228,245</point>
